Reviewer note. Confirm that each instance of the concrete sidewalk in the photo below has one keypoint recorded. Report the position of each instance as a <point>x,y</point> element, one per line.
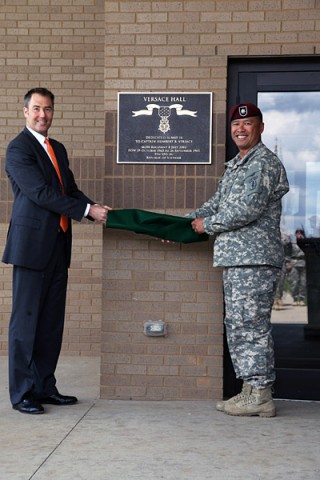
<point>126,440</point>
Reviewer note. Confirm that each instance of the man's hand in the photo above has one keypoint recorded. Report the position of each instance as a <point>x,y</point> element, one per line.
<point>99,213</point>
<point>197,225</point>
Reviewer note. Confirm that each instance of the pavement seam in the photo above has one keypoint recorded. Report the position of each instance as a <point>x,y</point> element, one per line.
<point>61,441</point>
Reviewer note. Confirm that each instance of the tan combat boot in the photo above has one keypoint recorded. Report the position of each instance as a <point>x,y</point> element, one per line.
<point>246,390</point>
<point>258,402</point>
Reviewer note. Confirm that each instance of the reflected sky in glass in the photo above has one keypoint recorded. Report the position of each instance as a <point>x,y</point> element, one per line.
<point>292,130</point>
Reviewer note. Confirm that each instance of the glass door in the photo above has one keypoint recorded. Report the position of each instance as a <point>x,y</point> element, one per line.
<point>292,132</point>
<point>288,93</point>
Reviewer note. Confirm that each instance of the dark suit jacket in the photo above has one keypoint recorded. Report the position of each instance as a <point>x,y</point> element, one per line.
<point>39,201</point>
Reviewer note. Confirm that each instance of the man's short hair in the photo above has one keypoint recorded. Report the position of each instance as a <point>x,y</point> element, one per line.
<point>39,91</point>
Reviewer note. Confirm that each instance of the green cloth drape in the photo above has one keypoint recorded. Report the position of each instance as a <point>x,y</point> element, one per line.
<point>160,225</point>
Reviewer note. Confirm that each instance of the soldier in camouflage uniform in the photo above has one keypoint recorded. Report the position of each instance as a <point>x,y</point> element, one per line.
<point>244,217</point>
<point>297,271</point>
<point>287,249</point>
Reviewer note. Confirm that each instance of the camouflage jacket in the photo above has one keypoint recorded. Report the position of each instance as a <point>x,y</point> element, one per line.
<point>244,213</point>
<point>297,257</point>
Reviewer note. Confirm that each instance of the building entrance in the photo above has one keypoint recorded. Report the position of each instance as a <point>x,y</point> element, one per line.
<point>287,90</point>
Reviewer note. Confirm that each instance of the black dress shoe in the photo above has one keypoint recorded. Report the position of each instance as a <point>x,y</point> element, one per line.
<point>29,406</point>
<point>58,399</point>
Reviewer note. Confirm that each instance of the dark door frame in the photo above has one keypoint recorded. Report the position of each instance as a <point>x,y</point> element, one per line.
<point>247,76</point>
<point>298,377</point>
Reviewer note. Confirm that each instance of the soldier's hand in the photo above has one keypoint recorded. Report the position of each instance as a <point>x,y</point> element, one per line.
<point>197,225</point>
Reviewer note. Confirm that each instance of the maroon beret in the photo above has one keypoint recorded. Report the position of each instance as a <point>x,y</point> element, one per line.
<point>244,110</point>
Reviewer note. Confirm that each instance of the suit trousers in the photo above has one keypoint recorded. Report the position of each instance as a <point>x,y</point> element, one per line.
<point>36,325</point>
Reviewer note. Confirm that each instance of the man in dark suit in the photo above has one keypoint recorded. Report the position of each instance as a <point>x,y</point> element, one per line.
<point>38,245</point>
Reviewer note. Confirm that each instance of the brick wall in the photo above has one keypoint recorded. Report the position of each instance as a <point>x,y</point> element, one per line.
<point>83,315</point>
<point>149,280</point>
<point>59,45</point>
<point>176,46</point>
<point>5,296</point>
<point>84,300</point>
<point>86,52</point>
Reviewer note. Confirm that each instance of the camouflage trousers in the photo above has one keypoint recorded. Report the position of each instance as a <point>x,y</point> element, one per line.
<point>297,277</point>
<point>249,295</point>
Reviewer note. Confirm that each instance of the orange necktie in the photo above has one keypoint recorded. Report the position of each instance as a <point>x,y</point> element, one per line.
<point>63,219</point>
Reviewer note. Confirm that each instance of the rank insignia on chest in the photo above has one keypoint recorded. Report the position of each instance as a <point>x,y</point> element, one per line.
<point>253,184</point>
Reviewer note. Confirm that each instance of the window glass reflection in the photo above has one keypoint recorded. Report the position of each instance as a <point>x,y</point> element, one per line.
<point>292,131</point>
